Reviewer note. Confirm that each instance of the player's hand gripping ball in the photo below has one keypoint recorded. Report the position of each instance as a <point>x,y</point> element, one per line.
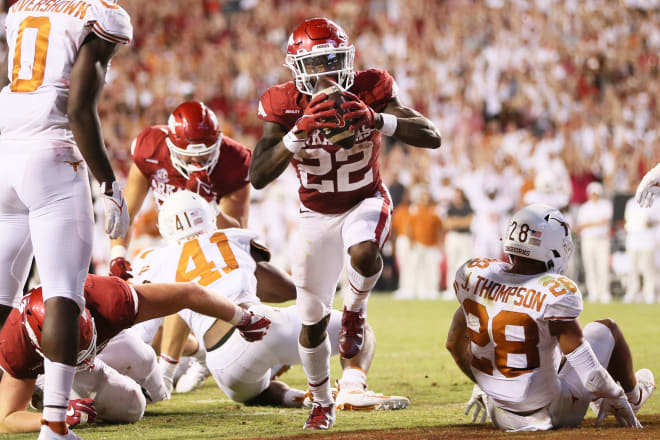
<point>340,135</point>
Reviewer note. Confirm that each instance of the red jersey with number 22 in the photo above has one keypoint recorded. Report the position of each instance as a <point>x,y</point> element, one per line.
<point>332,179</point>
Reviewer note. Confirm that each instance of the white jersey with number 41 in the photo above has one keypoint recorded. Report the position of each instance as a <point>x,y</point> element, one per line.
<point>515,358</point>
<point>219,260</point>
<point>44,38</point>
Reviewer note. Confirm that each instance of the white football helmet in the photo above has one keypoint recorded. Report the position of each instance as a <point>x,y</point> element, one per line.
<point>184,214</point>
<point>540,232</point>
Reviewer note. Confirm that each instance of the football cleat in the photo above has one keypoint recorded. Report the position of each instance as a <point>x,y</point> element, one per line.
<point>321,417</point>
<point>356,397</point>
<point>194,376</point>
<point>46,433</point>
<point>646,383</point>
<point>351,335</point>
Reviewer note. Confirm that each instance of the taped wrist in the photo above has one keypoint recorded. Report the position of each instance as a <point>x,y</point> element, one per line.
<point>118,251</point>
<point>291,141</point>
<point>239,314</point>
<point>593,376</point>
<point>389,124</point>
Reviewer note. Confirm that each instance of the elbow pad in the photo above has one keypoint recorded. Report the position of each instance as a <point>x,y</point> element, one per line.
<point>592,374</point>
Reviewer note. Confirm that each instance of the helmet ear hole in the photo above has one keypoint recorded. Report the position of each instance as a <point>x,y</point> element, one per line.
<point>555,253</point>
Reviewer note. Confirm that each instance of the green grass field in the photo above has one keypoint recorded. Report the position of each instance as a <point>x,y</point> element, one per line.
<point>410,360</point>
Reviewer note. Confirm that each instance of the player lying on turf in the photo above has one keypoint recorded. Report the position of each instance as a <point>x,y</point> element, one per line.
<point>512,320</point>
<point>112,305</point>
<point>121,380</point>
<point>225,261</point>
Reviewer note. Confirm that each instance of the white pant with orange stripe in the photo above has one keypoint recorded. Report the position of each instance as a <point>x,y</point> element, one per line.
<point>323,243</point>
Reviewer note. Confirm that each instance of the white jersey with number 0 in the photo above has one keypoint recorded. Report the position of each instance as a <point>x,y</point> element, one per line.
<point>515,358</point>
<point>44,38</point>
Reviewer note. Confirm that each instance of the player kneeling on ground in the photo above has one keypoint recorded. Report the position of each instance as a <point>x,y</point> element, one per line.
<point>111,305</point>
<point>225,261</point>
<point>511,321</point>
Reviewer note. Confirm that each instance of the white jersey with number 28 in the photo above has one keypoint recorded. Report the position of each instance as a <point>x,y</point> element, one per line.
<point>515,358</point>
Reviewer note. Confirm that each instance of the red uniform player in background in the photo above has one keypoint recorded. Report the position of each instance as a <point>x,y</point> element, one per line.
<point>345,206</point>
<point>190,152</point>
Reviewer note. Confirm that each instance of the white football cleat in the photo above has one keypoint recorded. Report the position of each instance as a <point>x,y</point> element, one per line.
<point>48,434</point>
<point>356,397</point>
<point>646,383</point>
<point>193,377</point>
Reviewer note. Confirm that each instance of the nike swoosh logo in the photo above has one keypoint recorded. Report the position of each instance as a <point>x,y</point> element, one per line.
<point>70,412</point>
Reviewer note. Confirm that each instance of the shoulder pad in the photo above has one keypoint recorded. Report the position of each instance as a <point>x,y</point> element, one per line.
<point>146,143</point>
<point>111,22</point>
<point>279,104</point>
<point>566,299</point>
<point>377,87</point>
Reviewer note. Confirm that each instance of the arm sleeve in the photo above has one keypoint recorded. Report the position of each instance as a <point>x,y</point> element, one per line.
<point>565,307</point>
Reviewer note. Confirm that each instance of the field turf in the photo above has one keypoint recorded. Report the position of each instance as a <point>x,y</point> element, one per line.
<point>410,360</point>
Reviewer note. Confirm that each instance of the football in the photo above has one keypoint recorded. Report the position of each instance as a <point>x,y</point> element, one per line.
<point>341,136</point>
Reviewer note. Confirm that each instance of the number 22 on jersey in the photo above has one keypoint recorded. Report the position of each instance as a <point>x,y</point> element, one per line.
<point>205,270</point>
<point>30,54</point>
<point>340,183</point>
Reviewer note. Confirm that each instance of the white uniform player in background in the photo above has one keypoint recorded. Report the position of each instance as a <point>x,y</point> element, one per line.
<point>50,133</point>
<point>224,261</point>
<point>515,322</point>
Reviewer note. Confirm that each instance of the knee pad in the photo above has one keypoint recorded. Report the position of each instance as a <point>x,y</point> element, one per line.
<point>310,308</point>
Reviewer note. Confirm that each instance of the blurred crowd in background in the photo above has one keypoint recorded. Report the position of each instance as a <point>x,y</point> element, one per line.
<point>535,99</point>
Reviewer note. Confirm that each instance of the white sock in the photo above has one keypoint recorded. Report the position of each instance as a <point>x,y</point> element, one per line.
<point>354,374</point>
<point>634,394</point>
<point>356,298</point>
<point>167,366</point>
<point>316,363</point>
<point>58,379</point>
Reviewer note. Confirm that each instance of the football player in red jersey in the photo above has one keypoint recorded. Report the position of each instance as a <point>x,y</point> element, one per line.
<point>190,152</point>
<point>112,305</point>
<point>345,206</point>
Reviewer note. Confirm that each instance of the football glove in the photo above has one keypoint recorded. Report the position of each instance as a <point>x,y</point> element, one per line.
<point>253,327</point>
<point>621,409</point>
<point>648,188</point>
<point>80,412</point>
<point>313,118</point>
<point>117,219</point>
<point>359,113</point>
<point>121,267</point>
<point>478,401</point>
<point>200,183</point>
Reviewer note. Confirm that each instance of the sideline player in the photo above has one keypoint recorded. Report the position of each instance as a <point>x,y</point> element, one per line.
<point>225,261</point>
<point>649,187</point>
<point>112,305</point>
<point>345,206</point>
<point>49,135</point>
<point>511,321</point>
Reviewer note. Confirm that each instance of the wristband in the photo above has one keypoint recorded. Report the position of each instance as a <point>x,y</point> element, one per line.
<point>389,124</point>
<point>118,251</point>
<point>291,141</point>
<point>238,316</point>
